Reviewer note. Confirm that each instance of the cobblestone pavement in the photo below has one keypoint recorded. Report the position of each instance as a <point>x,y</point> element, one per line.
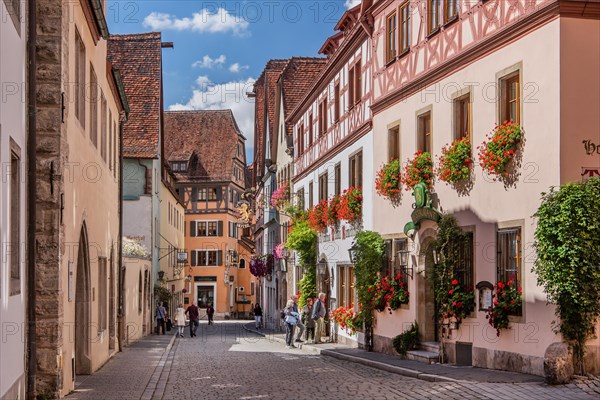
<point>227,362</point>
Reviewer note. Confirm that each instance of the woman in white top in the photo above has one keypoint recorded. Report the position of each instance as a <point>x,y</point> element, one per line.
<point>180,320</point>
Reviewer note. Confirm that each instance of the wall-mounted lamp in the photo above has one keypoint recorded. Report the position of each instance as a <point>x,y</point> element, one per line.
<point>352,253</point>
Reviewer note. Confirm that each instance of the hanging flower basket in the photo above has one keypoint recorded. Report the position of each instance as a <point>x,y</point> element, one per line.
<point>388,180</point>
<point>279,251</point>
<point>419,170</point>
<point>258,267</point>
<point>498,151</point>
<point>350,208</point>
<point>281,197</point>
<point>456,162</point>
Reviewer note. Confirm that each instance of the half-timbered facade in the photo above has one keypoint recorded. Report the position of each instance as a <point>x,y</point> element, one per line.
<point>443,70</point>
<point>333,149</point>
<point>206,152</point>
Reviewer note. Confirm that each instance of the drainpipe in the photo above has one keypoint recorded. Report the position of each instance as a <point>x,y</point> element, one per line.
<point>31,199</point>
<point>120,238</point>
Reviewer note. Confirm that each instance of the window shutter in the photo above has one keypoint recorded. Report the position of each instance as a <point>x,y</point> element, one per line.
<point>193,229</point>
<point>195,194</point>
<point>220,257</point>
<point>194,261</point>
<point>219,193</point>
<point>220,228</point>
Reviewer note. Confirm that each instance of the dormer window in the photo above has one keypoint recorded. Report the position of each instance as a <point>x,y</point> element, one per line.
<point>179,166</point>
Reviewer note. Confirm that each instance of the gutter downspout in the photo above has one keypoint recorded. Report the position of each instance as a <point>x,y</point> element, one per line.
<point>31,198</point>
<point>121,286</point>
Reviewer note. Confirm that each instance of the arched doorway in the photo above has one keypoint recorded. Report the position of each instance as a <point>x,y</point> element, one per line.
<point>426,296</point>
<point>83,365</point>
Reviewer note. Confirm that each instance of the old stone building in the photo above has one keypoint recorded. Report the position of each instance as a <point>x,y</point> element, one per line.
<point>206,151</point>
<point>80,105</point>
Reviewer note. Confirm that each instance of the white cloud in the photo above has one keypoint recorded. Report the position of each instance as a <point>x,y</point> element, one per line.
<point>236,68</point>
<point>205,21</point>
<point>219,96</point>
<point>351,3</point>
<point>209,63</point>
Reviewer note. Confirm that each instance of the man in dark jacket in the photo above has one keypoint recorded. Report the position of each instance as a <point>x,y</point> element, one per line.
<point>193,312</point>
<point>210,312</point>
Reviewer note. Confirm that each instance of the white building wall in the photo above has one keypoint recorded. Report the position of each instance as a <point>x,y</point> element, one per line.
<point>12,126</point>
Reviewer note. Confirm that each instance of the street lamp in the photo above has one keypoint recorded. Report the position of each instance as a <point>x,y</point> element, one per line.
<point>402,256</point>
<point>352,253</point>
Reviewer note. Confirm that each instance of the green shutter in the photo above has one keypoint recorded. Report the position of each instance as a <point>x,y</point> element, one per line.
<point>193,229</point>
<point>220,228</point>
<point>220,258</point>
<point>194,261</point>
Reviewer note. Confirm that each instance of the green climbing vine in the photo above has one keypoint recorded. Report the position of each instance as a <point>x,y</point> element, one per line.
<point>369,252</point>
<point>304,241</point>
<point>567,241</point>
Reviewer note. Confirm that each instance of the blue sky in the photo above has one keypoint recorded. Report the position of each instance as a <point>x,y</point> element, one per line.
<point>221,47</point>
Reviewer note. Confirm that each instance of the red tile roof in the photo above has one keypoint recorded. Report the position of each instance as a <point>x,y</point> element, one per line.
<point>211,136</point>
<point>139,59</point>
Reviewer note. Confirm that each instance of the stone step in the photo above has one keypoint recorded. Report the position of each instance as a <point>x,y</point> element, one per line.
<point>433,347</point>
<point>427,357</point>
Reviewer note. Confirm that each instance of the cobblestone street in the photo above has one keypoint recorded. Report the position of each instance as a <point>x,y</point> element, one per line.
<point>226,362</point>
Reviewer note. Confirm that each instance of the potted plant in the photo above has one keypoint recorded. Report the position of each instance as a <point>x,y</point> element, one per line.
<point>456,162</point>
<point>496,153</point>
<point>419,169</point>
<point>388,180</point>
<point>508,300</point>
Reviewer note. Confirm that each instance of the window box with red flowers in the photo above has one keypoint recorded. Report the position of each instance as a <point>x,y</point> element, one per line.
<point>459,305</point>
<point>508,301</point>
<point>456,162</point>
<point>350,207</point>
<point>347,319</point>
<point>390,293</point>
<point>419,170</point>
<point>499,150</point>
<point>333,210</point>
<point>317,216</point>
<point>388,180</point>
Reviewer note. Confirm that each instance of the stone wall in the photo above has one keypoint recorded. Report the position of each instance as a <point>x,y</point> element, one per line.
<point>49,152</point>
<point>507,361</point>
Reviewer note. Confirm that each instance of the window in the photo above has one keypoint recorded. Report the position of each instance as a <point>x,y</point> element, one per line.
<point>404,33</point>
<point>300,197</point>
<point>323,117</point>
<point>211,229</point>
<point>433,14</point>
<point>310,195</point>
<point>301,139</point>
<point>345,295</point>
<point>338,179</point>
<point>103,123</point>
<point>202,194</point>
<point>464,268</point>
<point>310,130</point>
<point>355,84</point>
<point>395,263</point>
<point>450,10</point>
<point>510,98</point>
<point>424,132</point>
<point>462,116</point>
<point>179,166</point>
<point>355,164</point>
<point>102,293</point>
<point>390,38</point>
<point>323,187</point>
<point>336,96</point>
<point>212,194</point>
<point>508,265</point>
<point>207,258</point>
<point>206,228</point>
<point>233,230</point>
<point>394,143</point>
<point>14,248</point>
<point>93,107</point>
<point>79,79</point>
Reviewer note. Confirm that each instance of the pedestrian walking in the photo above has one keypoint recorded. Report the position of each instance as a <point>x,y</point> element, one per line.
<point>318,315</point>
<point>180,320</point>
<point>291,319</point>
<point>210,312</point>
<point>308,321</point>
<point>161,315</point>
<point>194,315</point>
<point>300,325</point>
<point>258,315</point>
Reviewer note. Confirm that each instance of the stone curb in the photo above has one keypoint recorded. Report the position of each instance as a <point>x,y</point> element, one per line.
<point>157,381</point>
<point>371,363</point>
<point>389,368</point>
